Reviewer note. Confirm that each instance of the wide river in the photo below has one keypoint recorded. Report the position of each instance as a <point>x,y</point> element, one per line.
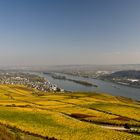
<point>103,86</point>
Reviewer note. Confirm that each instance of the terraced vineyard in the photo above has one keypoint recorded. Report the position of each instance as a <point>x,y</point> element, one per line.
<point>66,116</point>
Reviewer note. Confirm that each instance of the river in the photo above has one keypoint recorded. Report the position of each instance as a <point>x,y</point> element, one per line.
<point>103,86</point>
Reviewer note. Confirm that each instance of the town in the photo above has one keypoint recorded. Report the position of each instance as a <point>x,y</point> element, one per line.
<point>127,77</point>
<point>28,80</point>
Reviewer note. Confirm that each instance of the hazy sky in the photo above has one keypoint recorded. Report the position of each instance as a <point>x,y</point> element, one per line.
<point>38,32</point>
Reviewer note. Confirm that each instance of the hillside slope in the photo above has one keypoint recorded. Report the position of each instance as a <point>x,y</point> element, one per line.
<point>66,116</point>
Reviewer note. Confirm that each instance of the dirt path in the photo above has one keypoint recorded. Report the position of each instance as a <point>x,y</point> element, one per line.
<point>114,128</point>
<point>119,128</point>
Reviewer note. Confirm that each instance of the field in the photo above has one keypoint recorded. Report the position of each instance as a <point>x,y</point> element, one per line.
<point>66,116</point>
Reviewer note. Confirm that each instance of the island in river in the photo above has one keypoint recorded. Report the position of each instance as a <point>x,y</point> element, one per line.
<point>61,77</point>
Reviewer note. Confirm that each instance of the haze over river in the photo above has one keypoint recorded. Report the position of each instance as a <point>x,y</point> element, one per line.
<point>103,86</point>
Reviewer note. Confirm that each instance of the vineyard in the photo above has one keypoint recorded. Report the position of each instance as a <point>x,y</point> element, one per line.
<point>25,114</point>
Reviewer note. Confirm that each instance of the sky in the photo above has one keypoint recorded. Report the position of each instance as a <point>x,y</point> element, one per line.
<point>63,32</point>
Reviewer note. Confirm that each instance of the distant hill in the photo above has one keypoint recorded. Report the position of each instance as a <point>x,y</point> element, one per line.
<point>69,68</point>
<point>128,74</point>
